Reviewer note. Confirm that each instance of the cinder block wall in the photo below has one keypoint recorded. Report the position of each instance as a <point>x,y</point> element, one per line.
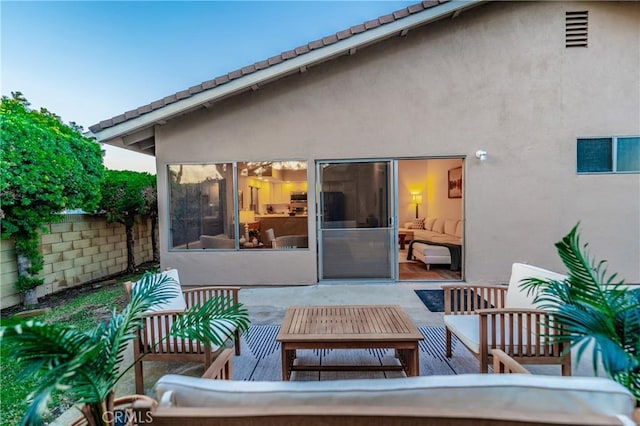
<point>76,250</point>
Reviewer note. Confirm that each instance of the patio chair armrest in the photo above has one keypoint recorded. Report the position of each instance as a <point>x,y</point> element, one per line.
<point>199,295</point>
<point>519,331</point>
<point>503,363</point>
<point>220,369</point>
<point>468,298</point>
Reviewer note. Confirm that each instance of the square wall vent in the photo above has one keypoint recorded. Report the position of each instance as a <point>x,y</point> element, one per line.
<point>576,29</point>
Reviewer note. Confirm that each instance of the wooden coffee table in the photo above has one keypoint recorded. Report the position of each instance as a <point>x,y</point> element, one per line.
<point>349,327</point>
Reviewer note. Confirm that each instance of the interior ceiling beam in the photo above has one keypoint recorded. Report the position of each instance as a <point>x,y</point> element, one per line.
<point>138,136</point>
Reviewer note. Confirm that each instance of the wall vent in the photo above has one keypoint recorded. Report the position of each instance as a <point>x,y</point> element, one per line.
<point>576,29</point>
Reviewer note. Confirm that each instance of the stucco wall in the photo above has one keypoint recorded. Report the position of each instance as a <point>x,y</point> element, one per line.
<point>77,250</point>
<point>497,78</point>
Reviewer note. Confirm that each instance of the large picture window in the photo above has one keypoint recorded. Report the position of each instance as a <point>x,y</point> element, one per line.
<point>609,155</point>
<point>201,206</point>
<point>271,201</point>
<point>274,196</point>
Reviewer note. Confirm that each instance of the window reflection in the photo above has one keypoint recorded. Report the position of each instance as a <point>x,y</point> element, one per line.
<point>275,198</point>
<point>201,213</point>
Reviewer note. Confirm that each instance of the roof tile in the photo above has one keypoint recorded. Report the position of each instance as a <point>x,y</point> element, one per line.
<point>402,13</point>
<point>235,74</point>
<point>248,69</point>
<point>262,64</point>
<point>182,94</point>
<point>344,34</point>
<point>386,19</point>
<point>131,114</point>
<point>169,99</point>
<point>274,60</point>
<point>195,89</point>
<point>371,24</point>
<point>222,79</point>
<point>316,44</point>
<point>288,54</point>
<point>329,40</point>
<point>209,84</point>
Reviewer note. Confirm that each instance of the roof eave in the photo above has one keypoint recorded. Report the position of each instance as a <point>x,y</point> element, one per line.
<point>124,134</point>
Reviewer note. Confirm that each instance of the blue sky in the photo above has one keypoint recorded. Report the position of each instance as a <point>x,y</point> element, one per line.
<point>88,60</point>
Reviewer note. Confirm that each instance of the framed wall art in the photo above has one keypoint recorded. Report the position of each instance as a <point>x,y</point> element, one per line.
<point>455,182</point>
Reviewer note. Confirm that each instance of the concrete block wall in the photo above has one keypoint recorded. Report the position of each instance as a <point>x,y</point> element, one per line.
<point>76,250</point>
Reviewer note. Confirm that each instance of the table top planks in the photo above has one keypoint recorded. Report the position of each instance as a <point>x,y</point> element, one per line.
<point>384,323</point>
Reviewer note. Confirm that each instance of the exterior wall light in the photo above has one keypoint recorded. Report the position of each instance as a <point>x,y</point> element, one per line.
<point>481,155</point>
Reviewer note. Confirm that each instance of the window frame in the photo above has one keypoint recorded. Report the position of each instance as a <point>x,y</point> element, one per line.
<point>235,187</point>
<point>614,155</point>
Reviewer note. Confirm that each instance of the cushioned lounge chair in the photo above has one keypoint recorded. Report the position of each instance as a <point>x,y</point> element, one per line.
<point>485,317</point>
<point>157,323</point>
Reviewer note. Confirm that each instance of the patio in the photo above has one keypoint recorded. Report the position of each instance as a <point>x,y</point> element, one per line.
<point>260,359</point>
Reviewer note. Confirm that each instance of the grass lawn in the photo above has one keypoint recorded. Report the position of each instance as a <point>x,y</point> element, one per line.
<point>84,312</point>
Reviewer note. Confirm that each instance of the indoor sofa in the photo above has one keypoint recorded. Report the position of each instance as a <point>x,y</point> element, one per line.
<point>468,399</point>
<point>426,235</point>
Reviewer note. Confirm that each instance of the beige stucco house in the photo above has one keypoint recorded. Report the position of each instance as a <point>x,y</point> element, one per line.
<point>508,121</point>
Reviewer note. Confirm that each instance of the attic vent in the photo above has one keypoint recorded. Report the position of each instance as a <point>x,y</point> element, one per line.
<point>576,29</point>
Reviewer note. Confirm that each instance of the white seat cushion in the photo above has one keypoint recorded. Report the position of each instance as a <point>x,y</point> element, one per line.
<point>517,297</point>
<point>177,303</point>
<point>467,330</point>
<point>496,392</point>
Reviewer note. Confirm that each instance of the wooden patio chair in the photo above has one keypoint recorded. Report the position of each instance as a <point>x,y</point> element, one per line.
<point>157,323</point>
<point>486,317</point>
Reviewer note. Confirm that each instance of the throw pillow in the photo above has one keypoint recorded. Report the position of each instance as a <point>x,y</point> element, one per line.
<point>417,224</point>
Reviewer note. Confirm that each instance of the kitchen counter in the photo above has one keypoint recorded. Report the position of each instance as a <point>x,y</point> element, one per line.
<point>283,224</point>
<point>278,215</point>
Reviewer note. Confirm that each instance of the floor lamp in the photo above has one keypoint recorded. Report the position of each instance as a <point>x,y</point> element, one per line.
<point>416,198</point>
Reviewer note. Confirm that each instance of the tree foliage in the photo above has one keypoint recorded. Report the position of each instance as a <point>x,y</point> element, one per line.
<point>46,167</point>
<point>125,195</point>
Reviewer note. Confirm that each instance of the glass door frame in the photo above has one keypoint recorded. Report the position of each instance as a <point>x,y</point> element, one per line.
<point>392,201</point>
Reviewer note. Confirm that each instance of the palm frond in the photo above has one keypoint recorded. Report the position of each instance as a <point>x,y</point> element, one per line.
<point>596,313</point>
<point>213,322</point>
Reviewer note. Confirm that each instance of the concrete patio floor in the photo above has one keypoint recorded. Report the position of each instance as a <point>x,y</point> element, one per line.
<point>267,306</point>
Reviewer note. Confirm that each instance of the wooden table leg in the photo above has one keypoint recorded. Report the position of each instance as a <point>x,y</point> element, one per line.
<point>288,355</point>
<point>413,362</point>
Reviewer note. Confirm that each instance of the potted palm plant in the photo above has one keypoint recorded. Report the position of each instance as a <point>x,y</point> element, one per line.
<point>87,365</point>
<point>597,313</point>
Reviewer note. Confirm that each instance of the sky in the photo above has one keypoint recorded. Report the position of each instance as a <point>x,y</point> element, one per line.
<point>88,61</point>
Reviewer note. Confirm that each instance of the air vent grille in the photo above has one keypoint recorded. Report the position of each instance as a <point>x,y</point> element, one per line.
<point>576,29</point>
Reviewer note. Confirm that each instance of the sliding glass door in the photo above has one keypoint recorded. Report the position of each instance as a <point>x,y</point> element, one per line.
<point>355,220</point>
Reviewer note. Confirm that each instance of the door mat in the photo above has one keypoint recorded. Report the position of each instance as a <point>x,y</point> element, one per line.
<point>434,299</point>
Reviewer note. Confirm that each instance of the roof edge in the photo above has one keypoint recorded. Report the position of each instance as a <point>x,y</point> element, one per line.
<point>113,134</point>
